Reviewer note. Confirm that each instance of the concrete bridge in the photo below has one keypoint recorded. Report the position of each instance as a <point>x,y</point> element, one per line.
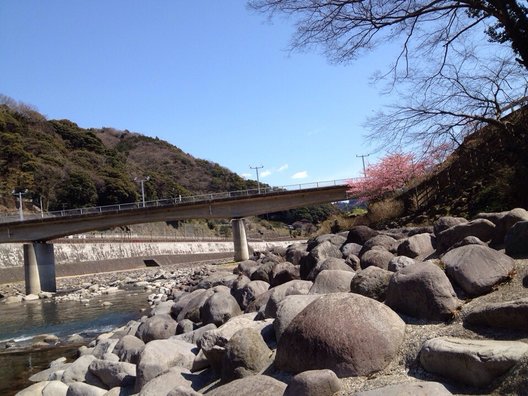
<point>36,232</point>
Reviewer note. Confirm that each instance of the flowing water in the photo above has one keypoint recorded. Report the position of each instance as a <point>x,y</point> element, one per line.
<point>21,322</point>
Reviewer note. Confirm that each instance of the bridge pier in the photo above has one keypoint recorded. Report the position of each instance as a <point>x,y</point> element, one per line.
<point>240,240</point>
<point>39,267</point>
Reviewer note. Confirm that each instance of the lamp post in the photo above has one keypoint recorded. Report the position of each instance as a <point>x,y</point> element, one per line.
<point>20,209</point>
<point>257,169</point>
<point>142,181</point>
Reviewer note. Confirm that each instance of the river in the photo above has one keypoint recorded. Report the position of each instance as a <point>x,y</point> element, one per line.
<point>21,322</point>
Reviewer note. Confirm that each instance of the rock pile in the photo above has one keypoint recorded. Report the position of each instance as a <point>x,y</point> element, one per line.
<point>425,311</point>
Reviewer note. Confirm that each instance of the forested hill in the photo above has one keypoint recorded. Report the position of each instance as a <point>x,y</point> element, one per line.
<point>69,166</point>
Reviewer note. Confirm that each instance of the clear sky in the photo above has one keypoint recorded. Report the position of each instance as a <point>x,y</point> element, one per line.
<point>210,77</point>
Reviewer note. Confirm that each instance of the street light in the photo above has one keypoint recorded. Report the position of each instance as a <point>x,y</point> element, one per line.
<point>20,209</point>
<point>257,169</point>
<point>142,181</point>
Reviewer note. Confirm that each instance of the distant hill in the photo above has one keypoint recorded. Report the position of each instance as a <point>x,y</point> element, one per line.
<point>68,166</point>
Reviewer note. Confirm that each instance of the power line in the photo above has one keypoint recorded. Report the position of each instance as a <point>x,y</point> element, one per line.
<point>257,170</point>
<point>363,160</point>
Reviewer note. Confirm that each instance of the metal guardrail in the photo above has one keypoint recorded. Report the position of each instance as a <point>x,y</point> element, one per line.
<point>14,216</point>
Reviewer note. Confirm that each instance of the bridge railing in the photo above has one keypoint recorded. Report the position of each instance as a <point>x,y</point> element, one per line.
<point>15,216</point>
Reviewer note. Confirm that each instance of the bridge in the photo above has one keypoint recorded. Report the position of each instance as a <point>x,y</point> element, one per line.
<point>36,231</point>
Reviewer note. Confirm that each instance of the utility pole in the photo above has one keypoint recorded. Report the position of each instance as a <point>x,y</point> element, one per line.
<point>142,181</point>
<point>363,160</point>
<point>20,209</point>
<point>257,169</point>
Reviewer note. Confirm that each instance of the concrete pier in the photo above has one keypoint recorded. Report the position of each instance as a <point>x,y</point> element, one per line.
<point>39,267</point>
<point>240,240</point>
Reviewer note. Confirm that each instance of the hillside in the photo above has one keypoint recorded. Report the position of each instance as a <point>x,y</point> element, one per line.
<point>68,166</point>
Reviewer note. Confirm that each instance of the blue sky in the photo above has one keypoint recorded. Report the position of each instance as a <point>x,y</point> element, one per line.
<point>210,77</point>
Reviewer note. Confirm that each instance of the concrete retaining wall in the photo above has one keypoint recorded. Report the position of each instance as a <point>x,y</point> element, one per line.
<point>11,255</point>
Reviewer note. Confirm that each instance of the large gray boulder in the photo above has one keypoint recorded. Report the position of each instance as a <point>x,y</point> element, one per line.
<point>246,268</point>
<point>263,272</point>
<point>284,272</point>
<point>422,291</point>
<point>103,347</point>
<point>113,374</point>
<point>246,354</point>
<point>334,239</point>
<point>416,245</point>
<point>128,349</point>
<point>476,269</point>
<point>471,362</point>
<point>182,301</point>
<point>213,342</point>
<point>511,315</point>
<point>332,281</point>
<point>191,310</point>
<point>217,279</point>
<point>314,383</point>
<point>251,291</point>
<point>399,262</point>
<point>157,327</point>
<point>445,222</point>
<point>295,252</point>
<point>504,221</point>
<point>193,336</point>
<point>78,371</point>
<point>219,308</point>
<point>331,263</point>
<point>347,333</point>
<point>289,308</point>
<point>55,388</point>
<point>318,253</point>
<point>378,257</point>
<point>280,292</point>
<point>160,355</point>
<point>417,388</point>
<point>516,240</point>
<point>481,228</point>
<point>381,241</point>
<point>82,389</point>
<point>261,385</point>
<point>351,249</point>
<point>165,382</point>
<point>360,234</point>
<point>371,282</point>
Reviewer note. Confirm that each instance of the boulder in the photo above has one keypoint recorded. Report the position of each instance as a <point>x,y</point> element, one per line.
<point>163,308</point>
<point>113,374</point>
<point>182,301</point>
<point>246,268</point>
<point>353,262</point>
<point>185,326</point>
<point>360,234</point>
<point>263,272</point>
<point>259,303</point>
<point>416,245</point>
<point>295,252</point>
<point>288,309</point>
<point>332,281</point>
<point>260,385</point>
<point>314,383</point>
<point>511,315</point>
<point>82,389</point>
<point>351,248</point>
<point>160,355</point>
<point>251,291</point>
<point>504,221</point>
<point>191,310</point>
<point>318,253</point>
<point>476,269</point>
<point>422,291</point>
<point>331,263</point>
<point>246,354</point>
<point>516,239</point>
<point>418,388</point>
<point>284,272</point>
<point>157,327</point>
<point>371,282</point>
<point>469,240</point>
<point>347,333</point>
<point>55,388</point>
<point>78,371</point>
<point>45,375</point>
<point>33,390</point>
<point>445,222</point>
<point>217,279</point>
<point>377,257</point>
<point>104,346</point>
<point>128,349</point>
<point>182,390</point>
<point>219,308</point>
<point>471,362</point>
<point>193,336</point>
<point>382,241</point>
<point>165,382</point>
<point>334,239</point>
<point>280,292</point>
<point>213,342</point>
<point>480,228</point>
<point>399,262</point>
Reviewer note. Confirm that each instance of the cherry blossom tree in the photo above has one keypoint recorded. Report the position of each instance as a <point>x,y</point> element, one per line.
<point>389,175</point>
